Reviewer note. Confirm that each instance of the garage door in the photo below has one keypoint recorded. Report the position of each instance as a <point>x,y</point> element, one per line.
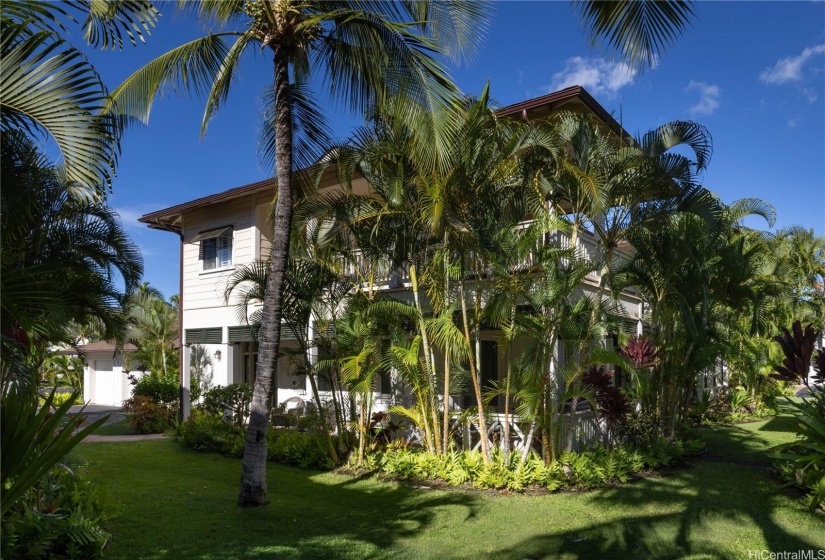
<point>104,383</point>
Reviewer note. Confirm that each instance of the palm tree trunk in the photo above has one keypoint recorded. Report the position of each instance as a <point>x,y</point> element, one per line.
<point>482,424</point>
<point>528,442</point>
<point>506,438</point>
<point>322,414</point>
<point>430,414</point>
<point>445,445</point>
<point>253,470</point>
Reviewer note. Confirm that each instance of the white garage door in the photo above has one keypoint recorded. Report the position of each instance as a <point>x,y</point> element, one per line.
<point>105,390</point>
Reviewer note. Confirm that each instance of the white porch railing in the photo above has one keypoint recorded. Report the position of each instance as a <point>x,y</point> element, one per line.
<point>581,430</point>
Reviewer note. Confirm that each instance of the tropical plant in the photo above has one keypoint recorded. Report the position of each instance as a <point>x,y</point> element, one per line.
<point>154,330</point>
<point>34,438</point>
<point>371,53</point>
<point>50,89</point>
<point>200,370</point>
<point>689,296</point>
<point>808,453</point>
<point>798,347</point>
<point>64,370</point>
<point>236,398</point>
<point>643,358</point>
<point>61,517</point>
<point>63,260</point>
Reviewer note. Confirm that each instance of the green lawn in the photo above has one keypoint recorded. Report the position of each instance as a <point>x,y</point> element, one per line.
<point>174,503</point>
<point>121,428</point>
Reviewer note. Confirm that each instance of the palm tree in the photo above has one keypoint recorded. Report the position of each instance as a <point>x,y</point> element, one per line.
<point>49,88</point>
<point>154,330</point>
<point>369,52</point>
<point>62,259</point>
<point>306,283</point>
<point>699,276</point>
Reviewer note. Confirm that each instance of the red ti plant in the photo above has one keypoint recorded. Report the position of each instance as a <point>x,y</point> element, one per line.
<point>641,353</point>
<point>798,347</point>
<point>613,405</point>
<point>645,360</point>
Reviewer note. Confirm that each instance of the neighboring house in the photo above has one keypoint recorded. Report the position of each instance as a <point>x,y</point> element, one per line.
<point>105,377</point>
<point>230,228</point>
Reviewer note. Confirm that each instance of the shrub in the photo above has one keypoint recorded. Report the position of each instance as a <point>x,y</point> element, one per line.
<point>307,450</point>
<point>804,460</point>
<point>207,432</point>
<point>238,396</point>
<point>148,416</point>
<point>638,430</point>
<point>160,389</point>
<point>60,398</point>
<point>203,431</point>
<point>60,517</point>
<point>587,469</point>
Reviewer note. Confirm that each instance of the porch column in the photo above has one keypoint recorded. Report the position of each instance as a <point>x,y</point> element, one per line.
<point>186,382</point>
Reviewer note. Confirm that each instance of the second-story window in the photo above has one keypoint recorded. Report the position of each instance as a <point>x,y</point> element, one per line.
<point>216,247</point>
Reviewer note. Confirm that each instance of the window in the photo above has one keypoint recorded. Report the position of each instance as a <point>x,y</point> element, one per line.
<point>249,362</point>
<point>216,247</point>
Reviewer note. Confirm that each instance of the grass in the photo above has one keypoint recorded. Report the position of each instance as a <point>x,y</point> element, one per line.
<point>174,503</point>
<point>120,428</point>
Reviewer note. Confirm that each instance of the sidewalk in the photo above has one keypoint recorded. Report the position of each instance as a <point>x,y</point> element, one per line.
<point>118,439</point>
<point>94,412</point>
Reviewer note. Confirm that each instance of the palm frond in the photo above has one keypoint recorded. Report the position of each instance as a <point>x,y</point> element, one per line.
<point>50,88</point>
<point>637,31</point>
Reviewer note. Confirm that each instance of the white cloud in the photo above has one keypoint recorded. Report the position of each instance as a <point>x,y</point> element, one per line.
<point>809,94</point>
<point>709,95</point>
<point>792,122</point>
<point>790,69</point>
<point>597,75</point>
<point>129,217</point>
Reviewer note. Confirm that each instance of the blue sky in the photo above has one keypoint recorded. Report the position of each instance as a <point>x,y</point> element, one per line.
<point>752,72</point>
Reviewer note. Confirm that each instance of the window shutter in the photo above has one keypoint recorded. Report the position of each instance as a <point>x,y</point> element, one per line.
<point>212,335</point>
<point>194,336</point>
<point>243,334</point>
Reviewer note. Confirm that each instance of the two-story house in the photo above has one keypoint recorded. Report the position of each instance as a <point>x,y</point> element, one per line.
<point>221,231</point>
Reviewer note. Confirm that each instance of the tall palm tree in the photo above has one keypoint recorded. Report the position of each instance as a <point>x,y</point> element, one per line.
<point>369,52</point>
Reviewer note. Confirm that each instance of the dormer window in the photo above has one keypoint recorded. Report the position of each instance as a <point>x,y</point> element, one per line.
<point>216,247</point>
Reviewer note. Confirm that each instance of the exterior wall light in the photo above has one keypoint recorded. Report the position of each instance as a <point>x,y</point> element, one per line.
<point>218,355</point>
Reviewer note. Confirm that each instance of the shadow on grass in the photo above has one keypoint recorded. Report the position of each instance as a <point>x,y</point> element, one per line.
<point>690,512</point>
<point>778,424</point>
<point>728,487</point>
<point>178,504</point>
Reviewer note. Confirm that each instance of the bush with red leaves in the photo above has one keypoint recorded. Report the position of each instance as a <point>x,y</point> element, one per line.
<point>613,405</point>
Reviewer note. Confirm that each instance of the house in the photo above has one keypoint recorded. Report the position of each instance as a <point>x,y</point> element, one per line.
<point>105,376</point>
<point>221,231</point>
